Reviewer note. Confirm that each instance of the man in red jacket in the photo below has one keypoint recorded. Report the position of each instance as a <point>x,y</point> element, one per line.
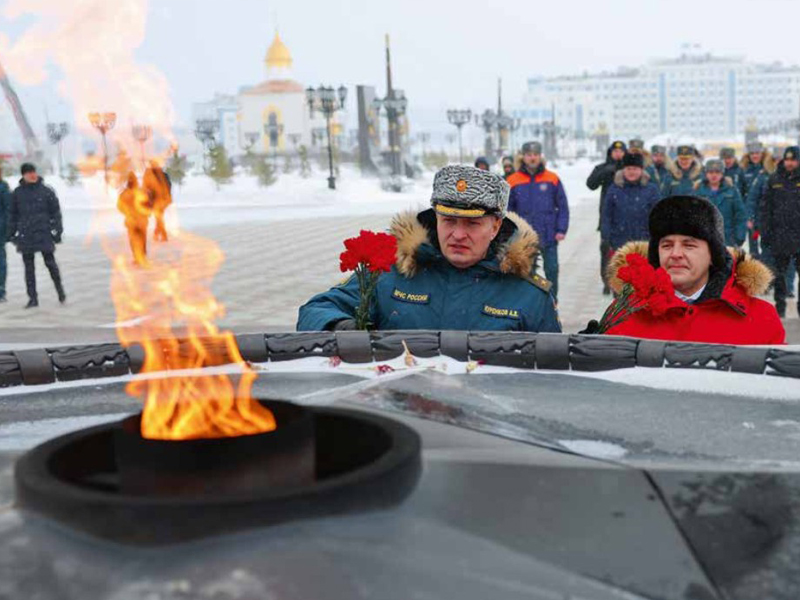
<point>715,288</point>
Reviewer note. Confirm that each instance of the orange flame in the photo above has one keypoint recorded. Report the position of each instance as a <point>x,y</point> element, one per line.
<point>93,42</point>
<point>151,303</point>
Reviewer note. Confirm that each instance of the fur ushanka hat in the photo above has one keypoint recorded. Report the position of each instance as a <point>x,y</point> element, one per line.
<point>688,215</point>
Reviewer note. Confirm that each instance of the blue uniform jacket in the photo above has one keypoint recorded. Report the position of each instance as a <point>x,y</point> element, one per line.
<point>541,201</point>
<point>682,183</point>
<point>627,209</point>
<point>424,291</point>
<point>729,202</point>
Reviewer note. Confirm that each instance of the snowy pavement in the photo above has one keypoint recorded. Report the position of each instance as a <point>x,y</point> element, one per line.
<point>281,246</point>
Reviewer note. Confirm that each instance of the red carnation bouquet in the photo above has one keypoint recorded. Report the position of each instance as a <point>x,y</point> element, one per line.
<point>368,255</point>
<point>645,288</point>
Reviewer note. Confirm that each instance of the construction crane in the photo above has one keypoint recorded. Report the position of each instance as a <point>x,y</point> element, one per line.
<point>31,141</point>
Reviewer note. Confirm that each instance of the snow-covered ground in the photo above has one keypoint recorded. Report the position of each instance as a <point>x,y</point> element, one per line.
<point>198,202</point>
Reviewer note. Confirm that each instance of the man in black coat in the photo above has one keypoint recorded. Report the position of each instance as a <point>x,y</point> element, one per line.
<point>780,220</point>
<point>602,177</point>
<point>34,225</point>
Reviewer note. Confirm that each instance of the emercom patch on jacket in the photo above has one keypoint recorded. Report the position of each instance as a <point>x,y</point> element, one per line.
<point>398,294</point>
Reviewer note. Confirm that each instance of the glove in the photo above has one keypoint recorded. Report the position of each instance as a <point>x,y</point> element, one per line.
<point>592,328</point>
<point>56,235</point>
<point>756,234</point>
<point>345,325</point>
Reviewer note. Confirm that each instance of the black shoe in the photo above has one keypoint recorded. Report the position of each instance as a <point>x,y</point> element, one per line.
<point>790,295</point>
<point>32,303</point>
<point>62,297</point>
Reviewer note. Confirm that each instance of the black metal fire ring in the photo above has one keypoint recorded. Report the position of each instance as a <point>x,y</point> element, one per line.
<point>85,496</point>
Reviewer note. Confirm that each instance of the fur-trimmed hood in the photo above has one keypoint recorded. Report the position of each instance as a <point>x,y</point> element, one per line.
<point>768,162</point>
<point>515,253</point>
<point>752,276</point>
<point>676,171</point>
<point>619,179</point>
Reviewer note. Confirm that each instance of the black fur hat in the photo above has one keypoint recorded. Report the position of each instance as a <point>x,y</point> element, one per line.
<point>633,159</point>
<point>688,215</point>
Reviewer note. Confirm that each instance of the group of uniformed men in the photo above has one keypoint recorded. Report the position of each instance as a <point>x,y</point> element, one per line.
<point>470,261</point>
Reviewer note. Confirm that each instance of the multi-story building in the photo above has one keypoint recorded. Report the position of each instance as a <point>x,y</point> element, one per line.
<point>696,94</point>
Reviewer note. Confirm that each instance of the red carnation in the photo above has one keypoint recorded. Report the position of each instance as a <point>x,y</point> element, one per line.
<point>644,288</point>
<point>368,255</point>
<point>376,251</point>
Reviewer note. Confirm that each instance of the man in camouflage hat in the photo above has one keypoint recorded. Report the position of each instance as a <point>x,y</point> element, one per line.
<point>463,264</point>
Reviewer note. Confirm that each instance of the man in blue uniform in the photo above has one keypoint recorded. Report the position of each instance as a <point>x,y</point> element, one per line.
<point>464,264</point>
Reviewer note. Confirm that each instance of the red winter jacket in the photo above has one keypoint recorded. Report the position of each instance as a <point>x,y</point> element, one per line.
<point>727,313</point>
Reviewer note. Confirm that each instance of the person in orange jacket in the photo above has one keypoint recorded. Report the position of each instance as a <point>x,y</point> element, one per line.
<point>715,287</point>
<point>135,205</point>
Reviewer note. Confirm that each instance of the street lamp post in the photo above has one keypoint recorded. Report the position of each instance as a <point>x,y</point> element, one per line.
<point>327,100</point>
<point>206,131</point>
<point>142,133</point>
<point>104,122</point>
<point>57,132</point>
<point>459,118</point>
<point>488,120</point>
<point>395,104</point>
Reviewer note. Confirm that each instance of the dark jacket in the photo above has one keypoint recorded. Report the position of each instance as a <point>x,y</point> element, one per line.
<point>755,182</point>
<point>779,216</point>
<point>35,218</point>
<point>680,182</point>
<point>424,291</point>
<point>729,202</point>
<point>5,209</point>
<point>539,198</point>
<point>602,176</point>
<point>727,312</point>
<point>626,210</point>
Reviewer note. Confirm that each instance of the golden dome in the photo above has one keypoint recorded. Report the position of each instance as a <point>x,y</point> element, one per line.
<point>278,55</point>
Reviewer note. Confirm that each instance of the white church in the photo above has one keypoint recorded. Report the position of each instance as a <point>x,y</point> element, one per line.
<point>268,117</point>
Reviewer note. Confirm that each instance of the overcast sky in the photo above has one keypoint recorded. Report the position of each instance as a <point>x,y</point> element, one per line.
<point>445,53</point>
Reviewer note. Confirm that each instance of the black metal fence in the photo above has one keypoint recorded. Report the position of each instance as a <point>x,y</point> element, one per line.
<point>510,349</point>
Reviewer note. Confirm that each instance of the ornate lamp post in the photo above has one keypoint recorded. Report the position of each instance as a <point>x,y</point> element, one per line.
<point>395,104</point>
<point>104,122</point>
<point>327,100</point>
<point>488,120</point>
<point>206,131</point>
<point>459,118</point>
<point>142,133</point>
<point>57,132</point>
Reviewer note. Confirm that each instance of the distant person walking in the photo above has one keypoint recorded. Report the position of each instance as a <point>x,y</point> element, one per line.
<point>35,226</point>
<point>158,186</point>
<point>134,203</point>
<point>5,202</point>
